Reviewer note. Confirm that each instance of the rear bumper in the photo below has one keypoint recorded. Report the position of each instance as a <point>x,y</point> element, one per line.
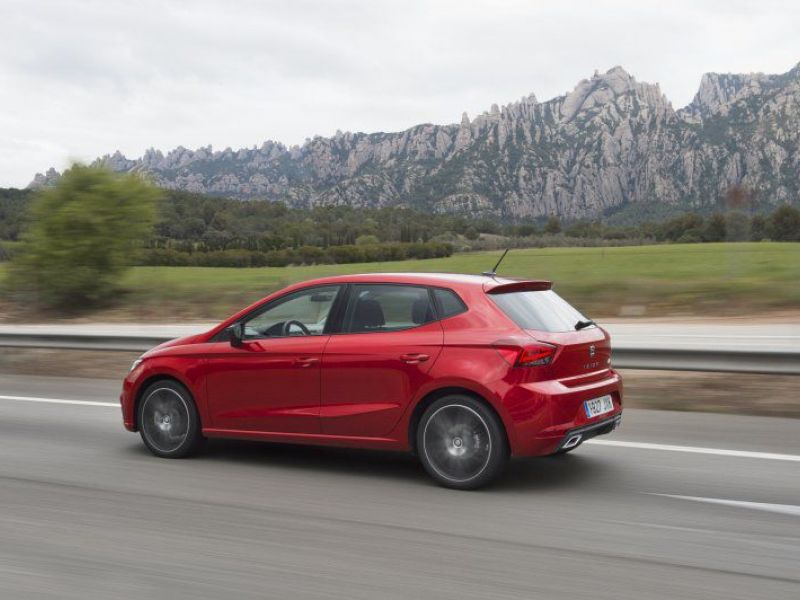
<point>579,435</point>
<point>544,413</point>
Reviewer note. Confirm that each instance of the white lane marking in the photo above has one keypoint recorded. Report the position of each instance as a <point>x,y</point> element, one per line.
<point>697,450</point>
<point>59,401</point>
<point>734,336</point>
<point>784,509</point>
<point>621,444</point>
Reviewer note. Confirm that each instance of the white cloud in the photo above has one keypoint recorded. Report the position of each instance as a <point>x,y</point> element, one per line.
<point>80,79</point>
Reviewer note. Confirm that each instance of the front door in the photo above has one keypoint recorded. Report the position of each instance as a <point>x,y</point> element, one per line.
<point>271,383</point>
<point>374,367</point>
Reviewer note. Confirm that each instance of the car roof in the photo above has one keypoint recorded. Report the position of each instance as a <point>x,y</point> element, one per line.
<point>453,280</point>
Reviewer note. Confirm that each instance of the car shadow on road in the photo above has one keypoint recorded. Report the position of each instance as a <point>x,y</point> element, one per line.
<point>368,463</point>
<point>539,473</point>
<point>574,471</point>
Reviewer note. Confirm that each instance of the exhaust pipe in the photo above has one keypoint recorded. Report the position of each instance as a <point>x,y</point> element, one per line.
<point>572,442</point>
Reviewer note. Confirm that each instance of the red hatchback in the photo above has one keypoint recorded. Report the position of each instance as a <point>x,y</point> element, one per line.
<point>463,370</point>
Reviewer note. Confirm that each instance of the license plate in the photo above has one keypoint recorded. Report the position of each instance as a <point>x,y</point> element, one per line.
<point>598,406</point>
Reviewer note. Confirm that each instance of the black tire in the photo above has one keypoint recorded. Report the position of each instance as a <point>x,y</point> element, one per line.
<point>461,443</point>
<point>168,420</point>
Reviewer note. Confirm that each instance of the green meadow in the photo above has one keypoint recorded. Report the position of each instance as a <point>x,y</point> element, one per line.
<point>678,279</point>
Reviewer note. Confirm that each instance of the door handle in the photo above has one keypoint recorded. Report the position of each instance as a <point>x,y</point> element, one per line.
<point>414,358</point>
<point>306,361</point>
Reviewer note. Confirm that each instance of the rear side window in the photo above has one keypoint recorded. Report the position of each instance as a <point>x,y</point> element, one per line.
<point>540,310</point>
<point>386,307</point>
<point>449,303</point>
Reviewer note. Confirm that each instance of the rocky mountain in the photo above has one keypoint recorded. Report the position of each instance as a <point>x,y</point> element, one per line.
<point>611,142</point>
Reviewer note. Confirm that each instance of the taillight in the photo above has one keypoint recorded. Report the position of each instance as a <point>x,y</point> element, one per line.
<point>525,354</point>
<point>536,354</point>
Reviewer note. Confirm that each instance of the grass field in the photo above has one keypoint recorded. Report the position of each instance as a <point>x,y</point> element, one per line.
<point>691,279</point>
<point>665,280</point>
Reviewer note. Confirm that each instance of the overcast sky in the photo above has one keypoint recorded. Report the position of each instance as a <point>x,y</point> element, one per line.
<point>79,79</point>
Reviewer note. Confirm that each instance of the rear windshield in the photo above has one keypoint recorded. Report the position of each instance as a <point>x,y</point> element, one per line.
<point>542,311</point>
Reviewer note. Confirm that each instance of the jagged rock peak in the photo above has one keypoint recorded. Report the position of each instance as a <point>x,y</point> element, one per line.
<point>48,178</point>
<point>610,143</point>
<point>718,90</point>
<point>604,88</point>
<point>618,79</point>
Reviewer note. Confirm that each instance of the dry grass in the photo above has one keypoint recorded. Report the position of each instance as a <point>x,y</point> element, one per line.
<point>66,363</point>
<point>765,395</point>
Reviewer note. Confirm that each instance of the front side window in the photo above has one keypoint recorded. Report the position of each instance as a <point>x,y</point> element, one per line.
<point>301,313</point>
<point>387,307</point>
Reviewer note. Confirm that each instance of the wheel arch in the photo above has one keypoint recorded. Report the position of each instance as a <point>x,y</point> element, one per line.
<point>150,380</point>
<point>433,396</point>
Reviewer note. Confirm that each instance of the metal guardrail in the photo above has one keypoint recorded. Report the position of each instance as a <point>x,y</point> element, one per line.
<point>721,361</point>
<point>70,341</point>
<point>657,359</point>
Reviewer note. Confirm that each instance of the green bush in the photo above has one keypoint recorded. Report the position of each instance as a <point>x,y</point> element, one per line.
<point>367,239</point>
<point>553,225</point>
<point>758,228</point>
<point>304,255</point>
<point>784,224</point>
<point>83,234</point>
<point>714,229</point>
<point>675,229</point>
<point>737,227</point>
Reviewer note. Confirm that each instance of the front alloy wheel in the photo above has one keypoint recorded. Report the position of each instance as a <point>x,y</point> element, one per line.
<point>168,420</point>
<point>461,442</point>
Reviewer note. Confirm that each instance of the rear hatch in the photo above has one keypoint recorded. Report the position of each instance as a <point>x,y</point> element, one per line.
<point>583,348</point>
<point>580,352</point>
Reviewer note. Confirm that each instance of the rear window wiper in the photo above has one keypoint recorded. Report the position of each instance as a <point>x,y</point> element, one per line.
<point>584,324</point>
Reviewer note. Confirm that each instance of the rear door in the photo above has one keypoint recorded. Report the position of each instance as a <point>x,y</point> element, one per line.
<point>388,343</point>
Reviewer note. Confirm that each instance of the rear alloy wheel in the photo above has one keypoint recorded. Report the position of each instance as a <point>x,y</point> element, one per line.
<point>168,420</point>
<point>461,443</point>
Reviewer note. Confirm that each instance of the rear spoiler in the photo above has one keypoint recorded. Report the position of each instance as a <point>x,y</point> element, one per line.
<point>519,286</point>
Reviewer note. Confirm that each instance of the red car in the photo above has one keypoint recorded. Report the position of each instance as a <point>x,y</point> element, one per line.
<point>463,370</point>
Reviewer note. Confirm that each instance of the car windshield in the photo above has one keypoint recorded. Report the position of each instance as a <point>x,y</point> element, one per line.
<point>539,310</point>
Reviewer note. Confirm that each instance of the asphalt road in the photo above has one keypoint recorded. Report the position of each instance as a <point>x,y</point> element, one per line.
<point>719,334</point>
<point>86,512</point>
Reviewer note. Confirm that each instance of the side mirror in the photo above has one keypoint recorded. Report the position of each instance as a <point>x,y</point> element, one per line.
<point>236,334</point>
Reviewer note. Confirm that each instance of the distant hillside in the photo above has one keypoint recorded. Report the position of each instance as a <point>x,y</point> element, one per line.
<point>612,143</point>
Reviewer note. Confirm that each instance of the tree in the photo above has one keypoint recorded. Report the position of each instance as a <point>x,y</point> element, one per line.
<point>739,197</point>
<point>525,230</point>
<point>737,227</point>
<point>585,229</point>
<point>784,224</point>
<point>553,225</point>
<point>367,240</point>
<point>688,226</point>
<point>84,232</point>
<point>758,228</point>
<point>714,229</point>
